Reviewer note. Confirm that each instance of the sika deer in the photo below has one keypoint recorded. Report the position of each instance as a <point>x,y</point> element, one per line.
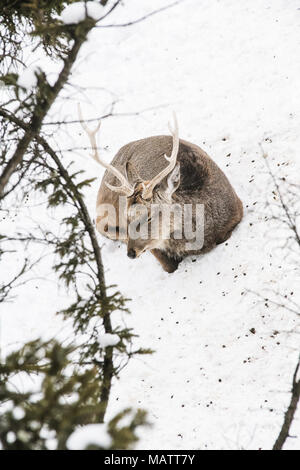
<point>149,183</point>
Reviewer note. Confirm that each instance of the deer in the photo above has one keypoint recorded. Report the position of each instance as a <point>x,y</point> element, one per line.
<point>144,177</point>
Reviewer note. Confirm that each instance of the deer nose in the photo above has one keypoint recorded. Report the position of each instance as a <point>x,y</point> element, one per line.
<point>131,253</point>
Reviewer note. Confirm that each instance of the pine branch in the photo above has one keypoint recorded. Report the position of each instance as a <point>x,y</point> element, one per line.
<point>42,107</point>
<point>86,219</point>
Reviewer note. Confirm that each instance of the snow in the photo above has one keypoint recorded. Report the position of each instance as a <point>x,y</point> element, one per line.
<point>108,339</point>
<point>28,78</point>
<point>220,377</point>
<point>18,413</point>
<point>76,12</point>
<point>11,437</point>
<point>91,434</point>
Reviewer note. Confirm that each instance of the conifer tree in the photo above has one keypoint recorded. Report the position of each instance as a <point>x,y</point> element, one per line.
<point>73,381</point>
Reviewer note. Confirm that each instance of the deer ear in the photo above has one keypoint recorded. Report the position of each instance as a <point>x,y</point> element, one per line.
<point>172,182</point>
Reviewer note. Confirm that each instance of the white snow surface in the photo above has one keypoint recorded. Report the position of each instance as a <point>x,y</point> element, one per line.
<point>88,435</point>
<point>28,79</point>
<point>76,12</point>
<point>18,413</point>
<point>108,339</point>
<point>231,71</point>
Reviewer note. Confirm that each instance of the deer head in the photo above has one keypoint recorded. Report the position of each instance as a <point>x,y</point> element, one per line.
<point>147,201</point>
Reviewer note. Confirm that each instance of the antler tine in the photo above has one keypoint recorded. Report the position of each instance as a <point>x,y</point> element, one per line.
<point>91,133</point>
<point>175,130</point>
<point>148,190</point>
<point>174,133</point>
<point>125,187</point>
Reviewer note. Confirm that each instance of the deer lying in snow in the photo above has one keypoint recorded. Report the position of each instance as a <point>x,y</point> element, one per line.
<point>145,178</point>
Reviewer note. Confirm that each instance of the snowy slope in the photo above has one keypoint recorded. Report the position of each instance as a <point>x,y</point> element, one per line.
<point>231,71</point>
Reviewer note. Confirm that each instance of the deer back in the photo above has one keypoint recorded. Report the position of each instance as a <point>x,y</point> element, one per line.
<point>145,158</point>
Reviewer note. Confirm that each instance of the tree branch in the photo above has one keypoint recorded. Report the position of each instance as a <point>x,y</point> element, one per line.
<point>89,227</point>
<point>105,116</point>
<point>284,206</point>
<point>142,18</point>
<point>290,412</point>
<point>42,107</point>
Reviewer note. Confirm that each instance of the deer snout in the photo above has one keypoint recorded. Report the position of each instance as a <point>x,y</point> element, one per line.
<point>131,253</point>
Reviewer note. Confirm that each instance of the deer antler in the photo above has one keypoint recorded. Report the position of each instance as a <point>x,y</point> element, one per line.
<point>148,188</point>
<point>125,187</point>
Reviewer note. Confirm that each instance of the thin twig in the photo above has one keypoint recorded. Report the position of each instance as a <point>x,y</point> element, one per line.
<point>142,18</point>
<point>105,116</point>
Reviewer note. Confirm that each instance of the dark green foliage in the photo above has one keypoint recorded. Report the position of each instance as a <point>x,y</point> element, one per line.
<point>21,19</point>
<point>53,407</point>
<point>124,436</point>
<point>68,396</point>
<point>31,9</point>
<point>85,309</point>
